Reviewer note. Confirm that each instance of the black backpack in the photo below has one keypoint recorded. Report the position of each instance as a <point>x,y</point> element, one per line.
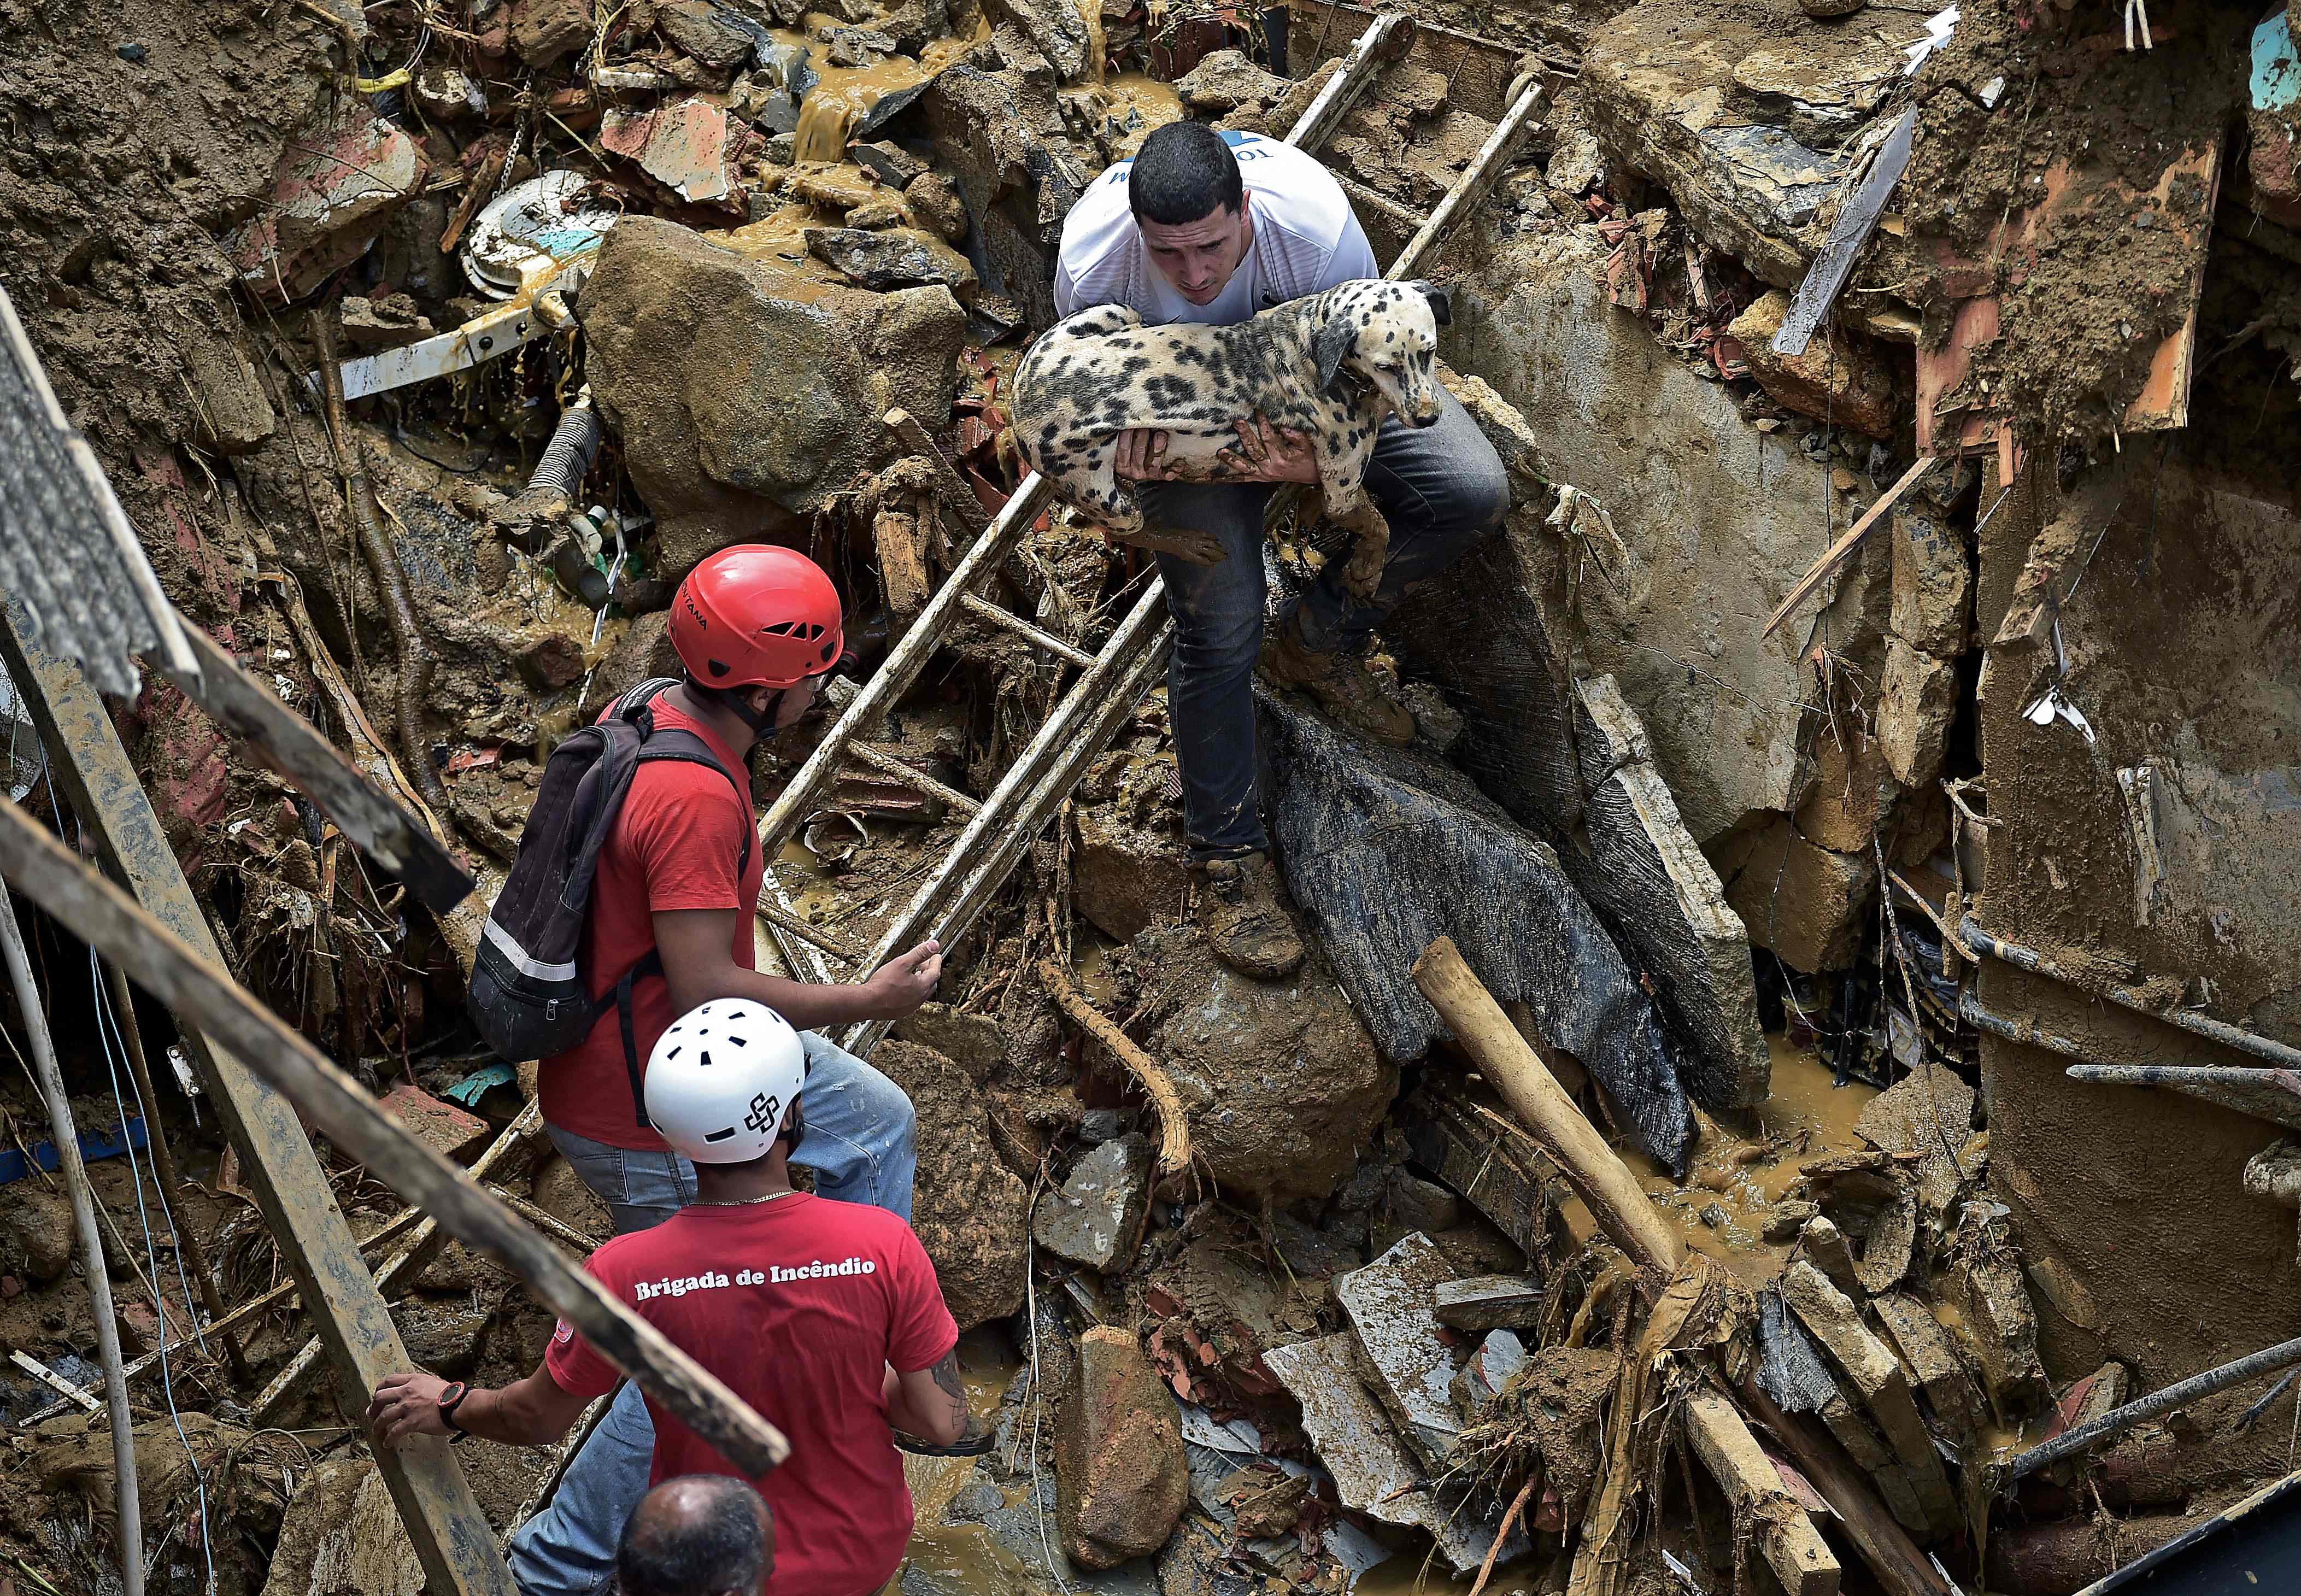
<point>527,994</point>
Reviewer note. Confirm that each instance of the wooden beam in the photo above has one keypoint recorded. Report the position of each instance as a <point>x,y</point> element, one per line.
<point>1386,38</point>
<point>288,744</point>
<point>952,492</point>
<point>1471,187</point>
<point>107,920</point>
<point>1841,551</point>
<point>92,771</point>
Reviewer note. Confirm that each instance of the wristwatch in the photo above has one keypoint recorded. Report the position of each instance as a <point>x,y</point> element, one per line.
<point>451,1398</point>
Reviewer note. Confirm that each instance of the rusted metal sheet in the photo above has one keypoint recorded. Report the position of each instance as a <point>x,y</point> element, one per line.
<point>91,769</point>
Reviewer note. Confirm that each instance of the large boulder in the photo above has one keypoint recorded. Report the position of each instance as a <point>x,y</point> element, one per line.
<point>1281,1085</point>
<point>970,1213</point>
<point>1131,868</point>
<point>342,1537</point>
<point>1121,1478</point>
<point>745,391</point>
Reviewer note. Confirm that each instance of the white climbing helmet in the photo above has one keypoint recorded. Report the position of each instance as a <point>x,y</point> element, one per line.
<point>720,1079</point>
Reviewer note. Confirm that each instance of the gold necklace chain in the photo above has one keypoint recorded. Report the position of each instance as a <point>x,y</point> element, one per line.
<point>741,1203</point>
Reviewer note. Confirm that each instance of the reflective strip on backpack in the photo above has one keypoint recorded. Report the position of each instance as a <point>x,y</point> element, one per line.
<point>533,969</point>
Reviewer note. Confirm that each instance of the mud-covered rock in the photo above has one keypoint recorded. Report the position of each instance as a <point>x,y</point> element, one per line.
<point>1224,80</point>
<point>935,199</point>
<point>1850,792</point>
<point>973,1041</point>
<point>441,1337</point>
<point>885,261</point>
<point>1130,869</point>
<point>36,1231</point>
<point>1932,584</point>
<point>1916,703</point>
<point>1843,377</point>
<point>546,31</point>
<point>1804,904</point>
<point>343,1537</point>
<point>744,397</point>
<point>969,1211</point>
<point>1068,32</point>
<point>1280,1083</point>
<point>1121,1479</point>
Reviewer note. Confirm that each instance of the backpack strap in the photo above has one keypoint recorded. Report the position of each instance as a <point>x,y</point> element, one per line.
<point>675,743</point>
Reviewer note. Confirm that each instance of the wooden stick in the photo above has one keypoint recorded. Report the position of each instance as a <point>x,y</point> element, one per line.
<point>1841,551</point>
<point>83,1207</point>
<point>102,916</point>
<point>1795,1552</point>
<point>163,1158</point>
<point>807,930</point>
<point>1901,1569</point>
<point>286,744</point>
<point>1174,1136</point>
<point>550,1224</point>
<point>54,1381</point>
<point>952,489</point>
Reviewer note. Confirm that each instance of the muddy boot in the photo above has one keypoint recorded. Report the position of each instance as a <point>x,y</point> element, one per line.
<point>1246,925</point>
<point>1342,684</point>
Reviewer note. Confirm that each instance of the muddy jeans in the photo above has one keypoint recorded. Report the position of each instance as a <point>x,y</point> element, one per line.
<point>1442,487</point>
<point>857,1136</point>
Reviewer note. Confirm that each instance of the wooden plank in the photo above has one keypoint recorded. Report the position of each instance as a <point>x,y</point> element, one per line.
<point>1471,187</point>
<point>109,921</point>
<point>952,490</point>
<point>1841,551</point>
<point>92,771</point>
<point>54,1381</point>
<point>290,746</point>
<point>1734,1459</point>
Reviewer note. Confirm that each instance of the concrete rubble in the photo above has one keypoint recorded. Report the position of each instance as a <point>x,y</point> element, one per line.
<point>1742,872</point>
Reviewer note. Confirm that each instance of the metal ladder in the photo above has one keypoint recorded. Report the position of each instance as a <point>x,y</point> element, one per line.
<point>1099,700</point>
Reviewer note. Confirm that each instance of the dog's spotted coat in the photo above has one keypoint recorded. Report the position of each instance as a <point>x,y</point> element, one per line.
<point>1330,366</point>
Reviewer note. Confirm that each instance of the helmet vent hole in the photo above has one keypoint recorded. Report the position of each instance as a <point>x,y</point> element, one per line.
<point>720,667</point>
<point>676,1052</point>
<point>735,1041</point>
<point>703,1061</point>
<point>720,1135</point>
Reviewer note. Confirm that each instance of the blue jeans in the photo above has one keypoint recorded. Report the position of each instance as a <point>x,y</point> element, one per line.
<point>857,1136</point>
<point>1442,487</point>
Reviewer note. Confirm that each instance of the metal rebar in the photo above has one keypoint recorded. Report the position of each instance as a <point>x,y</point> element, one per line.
<point>2132,998</point>
<point>91,1245</point>
<point>2118,1420</point>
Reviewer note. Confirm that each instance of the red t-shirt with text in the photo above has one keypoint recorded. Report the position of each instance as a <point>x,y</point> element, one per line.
<point>675,846</point>
<point>798,1305</point>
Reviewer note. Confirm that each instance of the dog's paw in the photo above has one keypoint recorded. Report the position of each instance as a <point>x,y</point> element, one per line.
<point>1363,574</point>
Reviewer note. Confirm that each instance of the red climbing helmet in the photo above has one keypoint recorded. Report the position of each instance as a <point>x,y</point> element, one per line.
<point>756,615</point>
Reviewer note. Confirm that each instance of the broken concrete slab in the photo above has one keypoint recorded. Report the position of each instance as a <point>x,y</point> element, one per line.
<point>1883,1389</point>
<point>1388,1303</point>
<point>1121,1480</point>
<point>1485,1302</point>
<point>1224,80</point>
<point>1753,157</point>
<point>1942,1379</point>
<point>1663,899</point>
<point>1068,32</point>
<point>897,258</point>
<point>1928,1112</point>
<point>1932,584</point>
<point>1373,1473</point>
<point>745,431</point>
<point>1407,1204</point>
<point>1824,1246</point>
<point>1709,522</point>
<point>1916,702</point>
<point>1852,791</point>
<point>1807,905</point>
<point>339,181</point>
<point>1498,1356</point>
<point>690,146</point>
<point>1448,861</point>
<point>1843,377</point>
<point>1997,1323</point>
<point>1097,1217</point>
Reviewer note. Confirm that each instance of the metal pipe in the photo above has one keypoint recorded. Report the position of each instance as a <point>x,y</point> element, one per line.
<point>91,1245</point>
<point>2117,1420</point>
<point>2126,997</point>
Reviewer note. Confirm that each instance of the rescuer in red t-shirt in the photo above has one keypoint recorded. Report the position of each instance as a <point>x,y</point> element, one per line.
<point>825,1317</point>
<point>756,629</point>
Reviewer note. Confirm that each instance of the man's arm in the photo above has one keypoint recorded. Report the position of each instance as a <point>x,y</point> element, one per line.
<point>533,1411</point>
<point>930,1403</point>
<point>699,964</point>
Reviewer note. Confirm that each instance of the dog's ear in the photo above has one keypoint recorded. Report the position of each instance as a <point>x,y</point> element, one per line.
<point>1332,346</point>
<point>1442,300</point>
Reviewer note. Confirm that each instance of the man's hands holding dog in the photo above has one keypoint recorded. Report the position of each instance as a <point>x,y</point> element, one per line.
<point>1264,454</point>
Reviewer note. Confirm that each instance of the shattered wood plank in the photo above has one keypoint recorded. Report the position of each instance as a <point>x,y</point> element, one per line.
<point>951,492</point>
<point>901,546</point>
<point>1496,1170</point>
<point>287,744</point>
<point>1901,1569</point>
<point>1884,1388</point>
<point>1662,896</point>
<point>1843,550</point>
<point>450,1534</point>
<point>166,966</point>
<point>1804,1565</point>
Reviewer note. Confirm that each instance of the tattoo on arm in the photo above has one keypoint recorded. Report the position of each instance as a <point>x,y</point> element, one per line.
<point>946,1376</point>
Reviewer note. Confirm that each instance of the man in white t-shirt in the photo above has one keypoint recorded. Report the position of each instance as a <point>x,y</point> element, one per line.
<point>1216,228</point>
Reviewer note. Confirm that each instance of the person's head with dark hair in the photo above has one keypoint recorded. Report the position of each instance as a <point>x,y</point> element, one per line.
<point>1190,203</point>
<point>696,1535</point>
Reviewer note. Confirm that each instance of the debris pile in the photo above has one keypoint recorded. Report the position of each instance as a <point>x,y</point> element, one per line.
<point>430,345</point>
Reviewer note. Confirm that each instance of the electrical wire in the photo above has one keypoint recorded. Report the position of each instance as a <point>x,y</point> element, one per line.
<point>115,1053</point>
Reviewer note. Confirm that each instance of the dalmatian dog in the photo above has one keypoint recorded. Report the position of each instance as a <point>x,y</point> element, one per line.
<point>1330,366</point>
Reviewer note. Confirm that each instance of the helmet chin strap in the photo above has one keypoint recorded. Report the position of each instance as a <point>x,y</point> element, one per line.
<point>762,721</point>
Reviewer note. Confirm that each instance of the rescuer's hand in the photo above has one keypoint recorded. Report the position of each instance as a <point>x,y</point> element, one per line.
<point>406,1405</point>
<point>1141,456</point>
<point>901,984</point>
